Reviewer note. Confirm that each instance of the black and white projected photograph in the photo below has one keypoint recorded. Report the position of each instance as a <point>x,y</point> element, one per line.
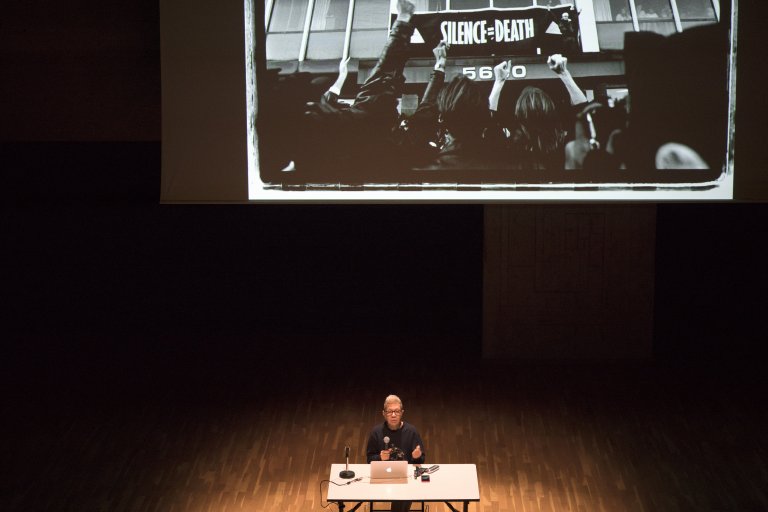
<point>491,99</point>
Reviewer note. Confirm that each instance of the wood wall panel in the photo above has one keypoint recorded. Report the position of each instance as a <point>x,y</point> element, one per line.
<point>568,281</point>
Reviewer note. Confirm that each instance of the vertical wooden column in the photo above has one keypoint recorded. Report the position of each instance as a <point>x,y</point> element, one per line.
<point>568,281</point>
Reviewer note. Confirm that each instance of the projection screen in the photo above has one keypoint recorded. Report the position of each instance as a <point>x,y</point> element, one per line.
<point>449,100</point>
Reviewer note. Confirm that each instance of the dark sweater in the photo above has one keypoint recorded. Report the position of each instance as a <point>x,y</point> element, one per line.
<point>406,438</point>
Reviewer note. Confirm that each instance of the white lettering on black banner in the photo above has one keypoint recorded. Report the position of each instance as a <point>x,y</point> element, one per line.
<point>486,32</point>
<point>480,32</point>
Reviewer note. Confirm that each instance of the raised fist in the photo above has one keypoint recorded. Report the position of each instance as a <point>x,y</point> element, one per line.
<point>441,50</point>
<point>557,63</point>
<point>405,7</point>
<point>501,71</point>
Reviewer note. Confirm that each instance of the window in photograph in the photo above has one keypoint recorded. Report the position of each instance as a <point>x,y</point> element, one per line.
<point>697,12</point>
<point>463,5</point>
<point>429,5</point>
<point>696,9</point>
<point>330,15</point>
<point>653,10</point>
<point>328,28</point>
<point>552,3</point>
<point>325,45</point>
<point>370,14</point>
<point>369,28</point>
<point>614,19</point>
<point>655,16</point>
<point>288,16</point>
<point>285,29</point>
<point>518,3</point>
<point>612,10</point>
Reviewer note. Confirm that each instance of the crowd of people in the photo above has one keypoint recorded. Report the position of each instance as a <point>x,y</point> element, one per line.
<point>458,126</point>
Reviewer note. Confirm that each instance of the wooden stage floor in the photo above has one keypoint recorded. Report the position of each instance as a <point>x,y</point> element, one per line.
<point>606,437</point>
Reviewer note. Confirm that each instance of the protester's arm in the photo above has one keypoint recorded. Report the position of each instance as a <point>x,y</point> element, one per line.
<point>501,73</point>
<point>441,55</point>
<point>437,77</point>
<point>343,70</point>
<point>422,125</point>
<point>379,92</point>
<point>394,54</point>
<point>558,64</point>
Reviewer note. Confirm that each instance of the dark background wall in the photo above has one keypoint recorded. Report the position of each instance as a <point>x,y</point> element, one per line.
<point>81,71</point>
<point>103,281</point>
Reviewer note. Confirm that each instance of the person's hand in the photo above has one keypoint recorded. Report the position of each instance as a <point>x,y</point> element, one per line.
<point>441,50</point>
<point>385,454</point>
<point>501,71</point>
<point>339,83</point>
<point>416,453</point>
<point>405,10</point>
<point>441,55</point>
<point>557,63</point>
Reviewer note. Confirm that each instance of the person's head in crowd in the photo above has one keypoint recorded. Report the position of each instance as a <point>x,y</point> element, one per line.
<point>592,130</point>
<point>539,121</point>
<point>678,156</point>
<point>463,109</point>
<point>678,93</point>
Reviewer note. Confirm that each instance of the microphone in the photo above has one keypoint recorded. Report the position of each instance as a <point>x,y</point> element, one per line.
<point>346,473</point>
<point>386,442</point>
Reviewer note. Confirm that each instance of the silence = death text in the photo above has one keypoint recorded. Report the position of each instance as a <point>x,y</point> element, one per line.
<point>482,32</point>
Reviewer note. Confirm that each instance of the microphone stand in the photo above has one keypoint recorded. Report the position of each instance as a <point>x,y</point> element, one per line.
<point>347,473</point>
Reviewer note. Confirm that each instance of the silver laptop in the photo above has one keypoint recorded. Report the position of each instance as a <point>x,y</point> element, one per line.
<point>389,472</point>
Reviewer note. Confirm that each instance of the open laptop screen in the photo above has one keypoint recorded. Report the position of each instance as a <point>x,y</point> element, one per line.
<point>389,471</point>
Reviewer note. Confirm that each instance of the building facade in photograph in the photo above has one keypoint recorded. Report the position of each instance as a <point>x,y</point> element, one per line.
<point>314,35</point>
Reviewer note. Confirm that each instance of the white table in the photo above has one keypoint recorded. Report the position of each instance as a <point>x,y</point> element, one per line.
<point>452,482</point>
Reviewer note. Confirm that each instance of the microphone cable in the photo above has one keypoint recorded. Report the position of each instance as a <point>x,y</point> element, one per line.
<point>328,504</point>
